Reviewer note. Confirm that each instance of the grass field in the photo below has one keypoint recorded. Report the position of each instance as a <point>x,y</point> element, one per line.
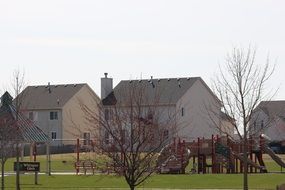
<point>208,181</point>
<point>66,163</point>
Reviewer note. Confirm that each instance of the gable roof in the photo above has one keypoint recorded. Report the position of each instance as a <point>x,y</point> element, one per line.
<point>49,96</point>
<point>168,91</point>
<point>273,108</point>
<point>28,131</point>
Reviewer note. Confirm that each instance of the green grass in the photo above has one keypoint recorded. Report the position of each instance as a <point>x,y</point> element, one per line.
<point>60,162</point>
<point>219,181</point>
<point>65,162</point>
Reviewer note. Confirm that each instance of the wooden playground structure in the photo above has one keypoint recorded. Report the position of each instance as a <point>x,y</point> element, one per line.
<point>215,155</point>
<point>220,154</point>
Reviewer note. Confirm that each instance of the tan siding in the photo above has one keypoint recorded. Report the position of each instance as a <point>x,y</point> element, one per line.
<point>196,121</point>
<point>74,118</point>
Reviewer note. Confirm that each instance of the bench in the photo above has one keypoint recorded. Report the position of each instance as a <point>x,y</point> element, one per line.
<point>85,165</point>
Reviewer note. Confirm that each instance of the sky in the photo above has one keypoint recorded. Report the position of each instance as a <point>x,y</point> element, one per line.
<point>77,41</point>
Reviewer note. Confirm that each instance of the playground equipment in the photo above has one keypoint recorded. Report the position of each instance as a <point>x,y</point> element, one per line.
<point>276,158</point>
<point>226,155</point>
<point>215,155</point>
<point>173,158</point>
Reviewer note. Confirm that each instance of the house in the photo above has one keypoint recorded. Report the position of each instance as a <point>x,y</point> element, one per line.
<point>269,119</point>
<point>25,130</point>
<point>56,110</point>
<point>196,109</point>
<point>19,128</point>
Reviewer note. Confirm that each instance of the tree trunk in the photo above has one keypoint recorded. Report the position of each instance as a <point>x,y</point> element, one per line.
<point>17,168</point>
<point>2,176</point>
<point>245,164</point>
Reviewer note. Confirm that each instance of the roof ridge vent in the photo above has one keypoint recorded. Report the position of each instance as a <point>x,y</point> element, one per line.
<point>179,84</point>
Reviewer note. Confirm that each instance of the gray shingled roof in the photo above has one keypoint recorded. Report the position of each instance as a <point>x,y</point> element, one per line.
<point>49,96</point>
<point>273,108</point>
<point>168,91</point>
<point>28,131</point>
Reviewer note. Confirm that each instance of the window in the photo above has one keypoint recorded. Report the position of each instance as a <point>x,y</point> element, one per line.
<point>53,135</point>
<point>165,134</point>
<point>182,112</point>
<point>31,115</point>
<point>86,137</point>
<point>106,136</point>
<point>123,136</point>
<point>107,114</point>
<point>53,115</point>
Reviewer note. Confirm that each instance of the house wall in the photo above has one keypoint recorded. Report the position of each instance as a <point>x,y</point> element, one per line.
<point>74,118</point>
<point>227,127</point>
<point>200,110</point>
<point>42,120</point>
<point>274,128</point>
<point>256,123</point>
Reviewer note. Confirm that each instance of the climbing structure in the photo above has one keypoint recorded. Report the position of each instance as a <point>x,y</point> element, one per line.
<point>215,155</point>
<point>226,155</point>
<point>173,158</point>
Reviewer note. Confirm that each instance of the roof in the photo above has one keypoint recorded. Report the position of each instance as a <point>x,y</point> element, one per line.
<point>226,117</point>
<point>28,131</point>
<point>49,96</point>
<point>273,108</point>
<point>166,91</point>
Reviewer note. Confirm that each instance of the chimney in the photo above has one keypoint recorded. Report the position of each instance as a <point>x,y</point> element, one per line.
<point>49,90</point>
<point>106,86</point>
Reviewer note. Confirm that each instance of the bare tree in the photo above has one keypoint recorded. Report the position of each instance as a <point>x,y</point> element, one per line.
<point>18,84</point>
<point>132,129</point>
<point>7,135</point>
<point>240,86</point>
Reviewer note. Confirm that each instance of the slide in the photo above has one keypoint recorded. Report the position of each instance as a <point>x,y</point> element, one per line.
<point>276,158</point>
<point>249,161</point>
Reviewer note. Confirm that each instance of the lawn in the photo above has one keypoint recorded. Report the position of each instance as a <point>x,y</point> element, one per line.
<point>60,162</point>
<point>218,181</point>
<point>65,162</point>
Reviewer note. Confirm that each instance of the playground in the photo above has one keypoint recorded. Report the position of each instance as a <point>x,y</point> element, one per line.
<point>202,156</point>
<point>216,155</point>
<point>210,160</point>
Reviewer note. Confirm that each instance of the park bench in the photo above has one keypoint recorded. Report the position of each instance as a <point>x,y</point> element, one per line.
<point>85,165</point>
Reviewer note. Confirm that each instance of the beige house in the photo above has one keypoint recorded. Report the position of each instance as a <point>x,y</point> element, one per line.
<point>56,110</point>
<point>197,110</point>
<point>269,119</point>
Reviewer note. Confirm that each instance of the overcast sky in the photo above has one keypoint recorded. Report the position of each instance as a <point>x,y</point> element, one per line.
<point>76,41</point>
